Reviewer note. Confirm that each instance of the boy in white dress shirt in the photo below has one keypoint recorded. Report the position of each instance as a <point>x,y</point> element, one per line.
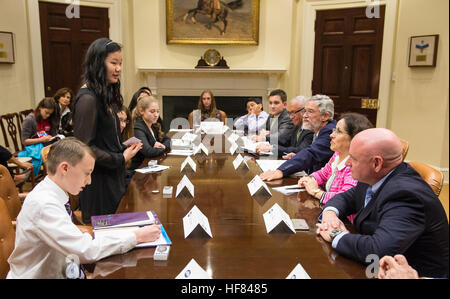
<point>47,241</point>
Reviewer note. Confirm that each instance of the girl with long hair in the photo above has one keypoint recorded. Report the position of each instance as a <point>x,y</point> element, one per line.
<point>148,130</point>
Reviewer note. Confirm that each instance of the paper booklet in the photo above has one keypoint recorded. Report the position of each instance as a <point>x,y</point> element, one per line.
<point>123,223</point>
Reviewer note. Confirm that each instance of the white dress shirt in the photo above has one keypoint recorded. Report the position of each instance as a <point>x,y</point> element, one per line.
<point>45,236</point>
<point>255,123</point>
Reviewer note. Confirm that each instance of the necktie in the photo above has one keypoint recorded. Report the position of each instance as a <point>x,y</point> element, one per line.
<point>299,132</point>
<point>369,195</point>
<point>68,209</point>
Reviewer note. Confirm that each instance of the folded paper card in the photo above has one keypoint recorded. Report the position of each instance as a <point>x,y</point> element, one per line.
<point>298,273</point>
<point>193,271</point>
<point>258,187</point>
<point>277,218</point>
<point>153,168</point>
<point>188,163</point>
<point>195,220</point>
<point>240,162</point>
<point>185,188</point>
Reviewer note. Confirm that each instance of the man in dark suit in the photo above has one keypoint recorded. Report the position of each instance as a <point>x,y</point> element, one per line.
<point>397,211</point>
<point>299,137</point>
<point>318,117</point>
<point>279,125</point>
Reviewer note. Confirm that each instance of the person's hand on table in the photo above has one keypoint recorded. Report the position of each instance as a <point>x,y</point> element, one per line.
<point>288,156</point>
<point>263,148</point>
<point>271,175</point>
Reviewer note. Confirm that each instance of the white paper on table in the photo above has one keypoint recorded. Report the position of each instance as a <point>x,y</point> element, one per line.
<point>181,152</point>
<point>269,165</point>
<point>276,215</point>
<point>194,218</point>
<point>180,130</point>
<point>180,143</point>
<point>298,273</point>
<point>189,137</point>
<point>212,127</point>
<point>190,162</point>
<point>193,271</point>
<point>250,146</point>
<point>256,184</point>
<point>154,168</point>
<point>289,189</point>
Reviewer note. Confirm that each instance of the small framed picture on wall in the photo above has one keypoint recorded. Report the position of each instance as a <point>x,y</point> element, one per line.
<point>7,47</point>
<point>423,50</point>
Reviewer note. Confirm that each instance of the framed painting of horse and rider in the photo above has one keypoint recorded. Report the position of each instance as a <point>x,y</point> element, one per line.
<point>212,22</point>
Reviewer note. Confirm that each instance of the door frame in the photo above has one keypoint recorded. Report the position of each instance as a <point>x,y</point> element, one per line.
<point>307,41</point>
<point>115,33</point>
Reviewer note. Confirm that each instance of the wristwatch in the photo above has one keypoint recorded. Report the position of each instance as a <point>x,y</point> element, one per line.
<point>334,233</point>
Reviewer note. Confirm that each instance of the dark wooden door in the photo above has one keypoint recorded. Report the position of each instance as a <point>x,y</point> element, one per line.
<point>347,59</point>
<point>65,42</point>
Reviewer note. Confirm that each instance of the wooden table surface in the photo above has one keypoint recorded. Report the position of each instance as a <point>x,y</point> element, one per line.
<point>240,248</point>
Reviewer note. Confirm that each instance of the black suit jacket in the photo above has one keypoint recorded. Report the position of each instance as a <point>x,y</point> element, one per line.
<point>294,146</point>
<point>404,217</point>
<point>314,156</point>
<point>142,132</point>
<point>285,127</point>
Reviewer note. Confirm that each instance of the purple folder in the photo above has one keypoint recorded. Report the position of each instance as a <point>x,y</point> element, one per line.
<point>104,221</point>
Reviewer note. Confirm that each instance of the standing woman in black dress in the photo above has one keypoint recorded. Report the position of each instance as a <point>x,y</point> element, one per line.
<point>96,123</point>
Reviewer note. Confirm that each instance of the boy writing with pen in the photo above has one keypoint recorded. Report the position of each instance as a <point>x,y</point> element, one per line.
<point>46,236</point>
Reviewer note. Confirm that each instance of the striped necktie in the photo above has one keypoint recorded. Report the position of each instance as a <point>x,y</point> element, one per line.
<point>369,195</point>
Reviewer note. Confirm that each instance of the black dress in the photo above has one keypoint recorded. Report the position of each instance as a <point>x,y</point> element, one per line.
<point>100,129</point>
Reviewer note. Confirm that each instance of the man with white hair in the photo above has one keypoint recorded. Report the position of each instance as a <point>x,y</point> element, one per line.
<point>397,211</point>
<point>300,137</point>
<point>318,117</point>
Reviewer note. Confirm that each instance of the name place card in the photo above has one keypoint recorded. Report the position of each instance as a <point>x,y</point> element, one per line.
<point>298,273</point>
<point>195,220</point>
<point>193,271</point>
<point>256,185</point>
<point>185,188</point>
<point>277,218</point>
<point>190,163</point>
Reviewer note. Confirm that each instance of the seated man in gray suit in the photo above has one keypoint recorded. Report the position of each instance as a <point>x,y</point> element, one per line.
<point>279,126</point>
<point>299,138</point>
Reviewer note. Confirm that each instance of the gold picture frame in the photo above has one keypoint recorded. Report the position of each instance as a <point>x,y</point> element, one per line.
<point>7,47</point>
<point>193,22</point>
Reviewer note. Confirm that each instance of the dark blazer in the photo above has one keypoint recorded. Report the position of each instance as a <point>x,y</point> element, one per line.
<point>294,146</point>
<point>313,157</point>
<point>285,127</point>
<point>404,217</point>
<point>142,132</point>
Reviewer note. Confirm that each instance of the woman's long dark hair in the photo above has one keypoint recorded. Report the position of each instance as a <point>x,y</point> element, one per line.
<point>95,73</point>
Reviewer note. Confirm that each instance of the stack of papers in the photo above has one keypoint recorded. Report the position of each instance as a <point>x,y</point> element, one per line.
<point>181,152</point>
<point>250,146</point>
<point>289,189</point>
<point>154,168</point>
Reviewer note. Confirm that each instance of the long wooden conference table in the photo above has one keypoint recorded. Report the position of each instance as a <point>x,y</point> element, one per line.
<point>240,247</point>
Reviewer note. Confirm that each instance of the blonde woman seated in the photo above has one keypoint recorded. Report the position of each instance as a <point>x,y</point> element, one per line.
<point>148,130</point>
<point>208,109</point>
<point>335,177</point>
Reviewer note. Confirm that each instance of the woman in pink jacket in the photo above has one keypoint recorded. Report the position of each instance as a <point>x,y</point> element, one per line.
<point>335,177</point>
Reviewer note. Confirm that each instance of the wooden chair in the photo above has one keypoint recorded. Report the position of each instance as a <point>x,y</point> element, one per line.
<point>433,177</point>
<point>10,125</point>
<point>9,193</point>
<point>405,148</point>
<point>23,114</point>
<point>7,238</point>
